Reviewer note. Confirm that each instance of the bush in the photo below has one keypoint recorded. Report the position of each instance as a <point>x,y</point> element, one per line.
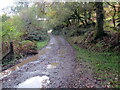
<point>26,47</point>
<point>39,35</point>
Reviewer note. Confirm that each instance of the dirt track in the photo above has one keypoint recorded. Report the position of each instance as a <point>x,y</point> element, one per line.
<point>55,68</point>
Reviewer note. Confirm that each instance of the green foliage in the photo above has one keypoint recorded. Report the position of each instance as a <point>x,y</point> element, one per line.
<point>34,29</point>
<point>18,23</point>
<point>37,35</point>
<point>28,45</point>
<point>57,14</point>
<point>9,31</point>
<point>23,24</point>
<point>41,44</point>
<point>5,17</point>
<point>24,42</point>
<point>28,15</point>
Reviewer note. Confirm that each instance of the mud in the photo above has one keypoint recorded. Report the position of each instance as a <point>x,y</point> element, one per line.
<point>56,63</point>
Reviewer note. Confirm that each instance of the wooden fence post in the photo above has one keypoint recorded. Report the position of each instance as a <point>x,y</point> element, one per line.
<point>11,50</point>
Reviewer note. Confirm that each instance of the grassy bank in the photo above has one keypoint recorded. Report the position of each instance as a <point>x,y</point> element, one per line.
<point>104,65</point>
<point>41,44</point>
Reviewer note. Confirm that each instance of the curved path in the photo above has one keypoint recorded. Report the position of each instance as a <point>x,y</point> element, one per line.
<point>54,68</point>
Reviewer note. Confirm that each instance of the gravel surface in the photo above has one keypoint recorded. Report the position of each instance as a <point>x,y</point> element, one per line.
<point>58,67</point>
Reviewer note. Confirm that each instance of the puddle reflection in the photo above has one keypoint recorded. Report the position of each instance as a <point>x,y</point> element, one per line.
<point>35,82</point>
<point>48,47</point>
<point>52,65</point>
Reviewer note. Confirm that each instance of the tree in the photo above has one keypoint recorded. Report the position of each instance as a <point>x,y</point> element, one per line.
<point>5,17</point>
<point>99,20</point>
<point>58,14</point>
<point>114,14</point>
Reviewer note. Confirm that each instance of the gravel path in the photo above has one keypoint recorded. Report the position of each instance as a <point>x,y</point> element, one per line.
<point>56,68</point>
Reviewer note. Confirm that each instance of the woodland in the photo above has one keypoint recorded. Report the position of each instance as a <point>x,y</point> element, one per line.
<point>92,28</point>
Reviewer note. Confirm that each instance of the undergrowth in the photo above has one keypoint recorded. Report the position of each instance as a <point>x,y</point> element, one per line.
<point>104,64</point>
<point>41,44</point>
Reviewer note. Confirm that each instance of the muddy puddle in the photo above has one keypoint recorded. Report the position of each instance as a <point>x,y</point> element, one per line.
<point>16,67</point>
<point>35,82</point>
<point>52,65</point>
<point>5,73</point>
<point>49,47</point>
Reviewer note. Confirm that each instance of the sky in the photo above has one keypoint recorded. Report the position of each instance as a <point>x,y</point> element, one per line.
<point>4,4</point>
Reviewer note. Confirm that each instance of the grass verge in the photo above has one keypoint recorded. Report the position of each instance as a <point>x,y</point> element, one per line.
<point>105,65</point>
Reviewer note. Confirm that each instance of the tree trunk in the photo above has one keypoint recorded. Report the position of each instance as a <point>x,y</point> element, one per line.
<point>118,26</point>
<point>11,51</point>
<point>85,15</point>
<point>114,16</point>
<point>11,47</point>
<point>99,20</point>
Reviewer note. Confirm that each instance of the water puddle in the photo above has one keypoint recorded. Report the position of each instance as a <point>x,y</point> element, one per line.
<point>35,82</point>
<point>4,74</point>
<point>16,67</point>
<point>48,47</point>
<point>46,73</point>
<point>51,44</point>
<point>7,72</point>
<point>52,65</point>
